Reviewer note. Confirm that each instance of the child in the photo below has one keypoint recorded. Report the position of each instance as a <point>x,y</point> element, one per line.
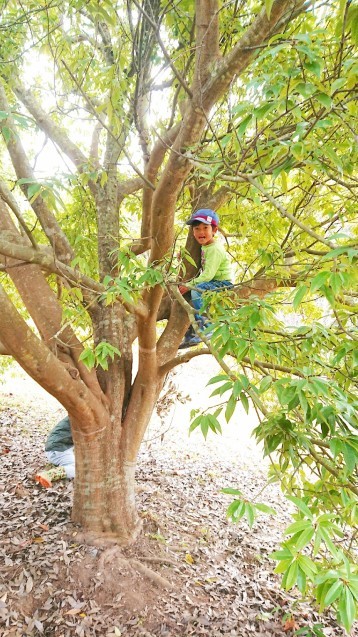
<point>59,451</point>
<point>215,267</point>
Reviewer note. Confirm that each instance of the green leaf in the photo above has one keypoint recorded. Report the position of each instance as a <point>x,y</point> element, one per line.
<point>33,191</point>
<point>230,408</point>
<point>244,124</point>
<point>236,390</point>
<point>265,384</point>
<point>236,510</point>
<point>328,293</point>
<point>219,391</point>
<point>337,84</point>
<point>350,457</point>
<point>245,402</point>
<point>324,99</point>
<point>298,526</point>
<point>347,609</point>
<point>217,379</point>
<point>328,541</point>
<point>319,280</point>
<point>283,566</point>
<point>272,442</point>
<point>307,565</point>
<point>250,514</point>
<point>214,424</point>
<point>195,423</point>
<point>290,579</point>
<point>304,538</point>
<point>254,319</point>
<point>302,506</point>
<point>231,491</point>
<point>268,7</point>
<point>332,155</point>
<point>88,358</point>
<point>314,67</point>
<point>261,111</point>
<point>284,554</point>
<point>265,508</point>
<point>333,593</point>
<point>300,294</point>
<point>204,426</point>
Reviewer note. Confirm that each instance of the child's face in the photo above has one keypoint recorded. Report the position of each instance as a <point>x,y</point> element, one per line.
<point>204,234</point>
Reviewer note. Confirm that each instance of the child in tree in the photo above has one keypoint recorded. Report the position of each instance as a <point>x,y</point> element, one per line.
<point>215,267</point>
<point>59,451</point>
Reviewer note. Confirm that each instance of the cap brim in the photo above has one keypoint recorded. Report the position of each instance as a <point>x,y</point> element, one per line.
<point>201,220</point>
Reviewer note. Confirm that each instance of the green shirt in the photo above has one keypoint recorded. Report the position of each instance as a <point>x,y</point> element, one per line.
<point>60,437</point>
<point>215,264</point>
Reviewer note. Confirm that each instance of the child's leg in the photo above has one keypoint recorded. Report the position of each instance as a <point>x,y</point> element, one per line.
<point>190,338</point>
<point>197,300</point>
<point>65,459</point>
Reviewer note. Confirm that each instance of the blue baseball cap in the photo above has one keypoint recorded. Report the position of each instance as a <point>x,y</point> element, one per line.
<point>204,215</point>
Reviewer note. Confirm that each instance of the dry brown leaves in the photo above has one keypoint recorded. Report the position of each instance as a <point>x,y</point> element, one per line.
<point>221,581</point>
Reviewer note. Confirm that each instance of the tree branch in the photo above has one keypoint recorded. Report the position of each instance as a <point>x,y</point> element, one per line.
<point>207,41</point>
<point>163,49</point>
<point>239,57</point>
<point>53,231</point>
<point>10,200</point>
<point>74,277</point>
<point>56,133</point>
<point>43,366</point>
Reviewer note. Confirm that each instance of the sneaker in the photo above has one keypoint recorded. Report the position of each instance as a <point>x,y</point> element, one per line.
<point>45,478</point>
<point>190,342</point>
<point>208,335</point>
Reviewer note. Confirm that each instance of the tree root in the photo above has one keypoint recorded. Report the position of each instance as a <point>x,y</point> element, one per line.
<point>152,575</point>
<point>114,555</point>
<point>158,560</point>
<point>107,538</point>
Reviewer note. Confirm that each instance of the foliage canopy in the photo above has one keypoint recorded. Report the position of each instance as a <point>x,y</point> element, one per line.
<point>117,120</point>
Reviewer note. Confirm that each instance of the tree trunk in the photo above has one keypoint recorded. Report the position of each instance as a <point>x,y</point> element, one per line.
<point>104,487</point>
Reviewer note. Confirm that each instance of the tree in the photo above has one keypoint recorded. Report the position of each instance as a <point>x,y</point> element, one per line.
<point>156,109</point>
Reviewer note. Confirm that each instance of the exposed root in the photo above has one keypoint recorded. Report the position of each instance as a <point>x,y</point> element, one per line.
<point>112,554</point>
<point>152,575</point>
<point>106,539</point>
<point>115,557</point>
<point>158,560</point>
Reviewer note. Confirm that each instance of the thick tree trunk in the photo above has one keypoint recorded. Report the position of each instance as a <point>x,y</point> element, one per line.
<point>104,487</point>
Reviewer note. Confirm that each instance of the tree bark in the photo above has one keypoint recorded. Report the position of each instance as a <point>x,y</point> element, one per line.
<point>104,495</point>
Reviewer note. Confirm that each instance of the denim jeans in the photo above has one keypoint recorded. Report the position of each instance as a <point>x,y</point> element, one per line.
<point>64,459</point>
<point>197,300</point>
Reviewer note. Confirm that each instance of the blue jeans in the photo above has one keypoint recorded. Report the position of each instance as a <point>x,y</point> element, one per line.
<point>64,459</point>
<point>197,300</point>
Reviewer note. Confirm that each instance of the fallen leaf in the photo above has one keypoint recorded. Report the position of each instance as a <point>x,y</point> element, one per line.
<point>29,585</point>
<point>73,611</point>
<point>290,624</point>
<point>189,558</point>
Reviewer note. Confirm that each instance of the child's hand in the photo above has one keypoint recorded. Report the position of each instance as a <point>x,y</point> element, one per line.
<point>183,289</point>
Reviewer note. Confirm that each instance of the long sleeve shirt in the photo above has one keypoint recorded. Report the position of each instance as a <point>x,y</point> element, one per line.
<point>215,264</point>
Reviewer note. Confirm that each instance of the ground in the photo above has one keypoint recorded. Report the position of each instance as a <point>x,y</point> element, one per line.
<point>192,572</point>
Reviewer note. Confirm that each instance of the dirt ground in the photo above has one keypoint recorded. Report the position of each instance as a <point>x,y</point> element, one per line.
<point>190,573</point>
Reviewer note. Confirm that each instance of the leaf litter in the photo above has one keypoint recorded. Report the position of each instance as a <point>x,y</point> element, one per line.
<point>191,572</point>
